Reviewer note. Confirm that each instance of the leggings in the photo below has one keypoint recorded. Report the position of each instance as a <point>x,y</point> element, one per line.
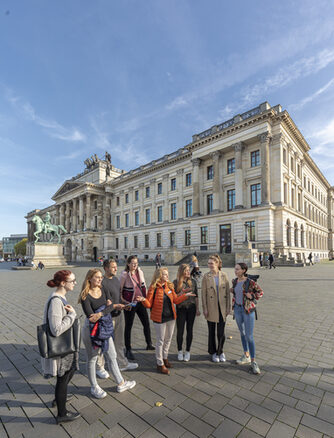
<point>185,316</point>
<point>61,392</point>
<point>220,335</point>
<point>129,316</point>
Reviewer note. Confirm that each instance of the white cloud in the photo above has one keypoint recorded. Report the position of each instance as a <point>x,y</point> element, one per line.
<point>176,103</point>
<point>311,97</point>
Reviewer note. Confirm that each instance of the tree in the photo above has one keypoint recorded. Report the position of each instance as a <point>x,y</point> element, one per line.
<point>21,247</point>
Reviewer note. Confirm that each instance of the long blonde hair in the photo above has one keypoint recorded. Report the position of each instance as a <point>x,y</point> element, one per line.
<point>180,277</point>
<point>157,278</point>
<point>218,260</point>
<point>86,284</point>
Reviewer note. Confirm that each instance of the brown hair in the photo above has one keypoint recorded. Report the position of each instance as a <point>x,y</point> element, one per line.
<point>243,266</point>
<point>217,259</point>
<point>86,284</point>
<point>107,262</point>
<point>58,277</point>
<point>180,277</point>
<point>128,261</point>
<point>157,278</point>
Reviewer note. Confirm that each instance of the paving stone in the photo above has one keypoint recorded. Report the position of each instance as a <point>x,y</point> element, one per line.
<point>116,432</point>
<point>197,426</point>
<point>216,402</point>
<point>155,414</point>
<point>169,428</point>
<point>282,398</point>
<point>239,403</point>
<point>235,414</point>
<point>317,424</point>
<point>306,432</point>
<point>92,413</point>
<point>194,408</point>
<point>213,418</point>
<point>290,416</point>
<point>280,430</point>
<point>179,415</point>
<point>261,412</point>
<point>308,398</point>
<point>246,433</point>
<point>227,429</point>
<point>306,407</point>
<point>258,426</point>
<point>326,413</point>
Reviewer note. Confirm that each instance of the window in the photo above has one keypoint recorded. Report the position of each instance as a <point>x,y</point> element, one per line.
<point>255,194</point>
<point>209,203</point>
<point>147,240</point>
<point>284,156</point>
<point>125,242</point>
<point>126,198</point>
<point>136,217</point>
<point>117,201</point>
<point>135,241</point>
<point>159,188</point>
<point>116,243</point>
<point>136,195</point>
<point>189,207</point>
<point>147,192</point>
<point>187,237</point>
<point>173,211</point>
<point>173,184</point>
<point>159,239</point>
<point>299,202</point>
<point>95,206</point>
<point>82,244</point>
<point>285,193</point>
<point>209,172</point>
<point>95,222</point>
<point>304,182</point>
<point>298,170</point>
<point>292,161</point>
<point>230,199</point>
<point>172,238</point>
<point>188,179</point>
<point>250,230</point>
<point>126,219</point>
<point>147,216</point>
<point>255,158</point>
<point>118,222</point>
<point>231,165</point>
<point>292,197</point>
<point>309,186</point>
<point>204,235</point>
<point>160,213</point>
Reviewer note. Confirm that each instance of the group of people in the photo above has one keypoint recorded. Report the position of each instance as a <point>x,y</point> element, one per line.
<point>110,305</point>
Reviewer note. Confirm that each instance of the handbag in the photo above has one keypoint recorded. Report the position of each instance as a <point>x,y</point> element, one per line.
<point>51,346</point>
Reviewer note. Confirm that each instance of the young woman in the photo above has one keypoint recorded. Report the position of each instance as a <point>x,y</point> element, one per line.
<point>246,292</point>
<point>97,310</point>
<point>186,311</point>
<point>61,316</point>
<point>133,286</point>
<point>216,302</point>
<point>161,299</point>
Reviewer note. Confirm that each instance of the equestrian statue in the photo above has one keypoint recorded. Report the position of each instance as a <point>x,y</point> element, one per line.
<point>47,227</point>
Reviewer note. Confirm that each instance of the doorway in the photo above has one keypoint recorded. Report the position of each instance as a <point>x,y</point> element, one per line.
<point>225,239</point>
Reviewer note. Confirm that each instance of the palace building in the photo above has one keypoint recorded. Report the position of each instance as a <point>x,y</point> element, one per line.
<point>249,179</point>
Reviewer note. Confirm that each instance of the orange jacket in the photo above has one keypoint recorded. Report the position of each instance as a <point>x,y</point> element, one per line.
<point>157,305</point>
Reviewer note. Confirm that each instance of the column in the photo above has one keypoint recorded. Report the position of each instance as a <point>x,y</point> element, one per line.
<point>106,212</point>
<point>180,185</point>
<point>265,158</point>
<point>88,206</point>
<point>196,187</point>
<point>62,215</point>
<point>81,213</point>
<point>216,181</point>
<point>57,215</point>
<point>75,215</point>
<point>99,213</point>
<point>67,216</point>
<point>238,176</point>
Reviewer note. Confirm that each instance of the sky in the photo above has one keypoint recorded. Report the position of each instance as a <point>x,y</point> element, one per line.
<point>139,78</point>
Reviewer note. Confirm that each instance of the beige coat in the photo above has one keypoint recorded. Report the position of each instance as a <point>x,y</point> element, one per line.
<point>210,299</point>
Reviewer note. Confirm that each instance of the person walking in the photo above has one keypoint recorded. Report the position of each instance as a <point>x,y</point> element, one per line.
<point>132,284</point>
<point>97,332</point>
<point>185,311</point>
<point>261,259</point>
<point>161,299</point>
<point>245,292</point>
<point>271,261</point>
<point>157,261</point>
<point>216,302</point>
<point>60,316</point>
<point>310,256</point>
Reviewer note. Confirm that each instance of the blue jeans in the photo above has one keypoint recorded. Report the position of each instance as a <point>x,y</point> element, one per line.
<point>245,323</point>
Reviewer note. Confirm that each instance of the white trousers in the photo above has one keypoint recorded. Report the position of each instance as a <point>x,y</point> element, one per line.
<point>164,334</point>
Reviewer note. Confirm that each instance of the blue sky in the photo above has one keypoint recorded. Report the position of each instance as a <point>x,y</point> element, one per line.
<point>140,78</point>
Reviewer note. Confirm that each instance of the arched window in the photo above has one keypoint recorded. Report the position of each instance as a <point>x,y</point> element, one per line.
<point>302,236</point>
<point>288,232</point>
<point>296,233</point>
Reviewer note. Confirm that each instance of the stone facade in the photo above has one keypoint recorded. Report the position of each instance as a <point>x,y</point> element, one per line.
<point>250,179</point>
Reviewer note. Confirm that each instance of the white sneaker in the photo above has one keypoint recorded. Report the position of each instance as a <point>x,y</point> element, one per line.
<point>222,358</point>
<point>187,356</point>
<point>130,366</point>
<point>128,384</point>
<point>97,392</point>
<point>180,355</point>
<point>243,360</point>
<point>103,374</point>
<point>215,358</point>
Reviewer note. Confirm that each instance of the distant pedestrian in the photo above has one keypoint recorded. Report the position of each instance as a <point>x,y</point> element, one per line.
<point>271,261</point>
<point>261,259</point>
<point>157,261</point>
<point>40,265</point>
<point>310,257</point>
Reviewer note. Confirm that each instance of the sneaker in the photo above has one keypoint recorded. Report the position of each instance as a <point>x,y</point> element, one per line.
<point>254,368</point>
<point>243,360</point>
<point>97,392</point>
<point>215,358</point>
<point>130,366</point>
<point>180,355</point>
<point>187,356</point>
<point>128,384</point>
<point>102,373</point>
<point>222,358</point>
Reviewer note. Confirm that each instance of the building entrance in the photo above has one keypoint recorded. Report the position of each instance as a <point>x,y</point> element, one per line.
<point>225,239</point>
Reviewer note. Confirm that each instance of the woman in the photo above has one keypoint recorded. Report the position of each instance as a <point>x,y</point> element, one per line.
<point>246,292</point>
<point>186,311</point>
<point>161,299</point>
<point>97,309</point>
<point>216,302</point>
<point>60,316</point>
<point>133,286</point>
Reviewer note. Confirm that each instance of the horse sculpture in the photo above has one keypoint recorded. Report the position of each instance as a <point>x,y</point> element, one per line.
<point>46,227</point>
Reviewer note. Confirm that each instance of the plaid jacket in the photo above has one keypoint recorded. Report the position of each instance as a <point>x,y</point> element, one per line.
<point>253,288</point>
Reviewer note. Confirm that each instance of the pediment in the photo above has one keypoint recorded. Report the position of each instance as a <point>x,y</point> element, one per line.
<point>66,187</point>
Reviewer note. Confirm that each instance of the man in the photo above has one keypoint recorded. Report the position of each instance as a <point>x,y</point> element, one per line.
<point>112,289</point>
<point>271,261</point>
<point>158,261</point>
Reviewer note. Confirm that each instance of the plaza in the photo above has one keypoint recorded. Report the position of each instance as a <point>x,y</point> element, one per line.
<point>292,397</point>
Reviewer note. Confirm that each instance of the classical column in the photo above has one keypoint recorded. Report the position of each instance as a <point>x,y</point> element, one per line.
<point>196,187</point>
<point>180,185</point>
<point>265,158</point>
<point>99,213</point>
<point>57,215</point>
<point>88,207</point>
<point>67,216</point>
<point>81,213</point>
<point>62,214</point>
<point>238,175</point>
<point>106,212</point>
<point>75,215</point>
<point>216,181</point>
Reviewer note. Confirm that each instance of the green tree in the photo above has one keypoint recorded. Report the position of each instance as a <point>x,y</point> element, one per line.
<point>21,247</point>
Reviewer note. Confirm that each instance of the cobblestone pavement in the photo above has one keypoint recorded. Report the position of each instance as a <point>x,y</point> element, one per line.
<point>293,396</point>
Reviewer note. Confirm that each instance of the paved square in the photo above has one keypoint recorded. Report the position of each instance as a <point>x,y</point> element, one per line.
<point>293,396</point>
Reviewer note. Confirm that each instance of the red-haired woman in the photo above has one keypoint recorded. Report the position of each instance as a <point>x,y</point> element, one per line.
<point>61,316</point>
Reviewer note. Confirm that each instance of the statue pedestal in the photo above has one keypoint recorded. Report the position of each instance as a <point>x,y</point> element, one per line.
<point>50,254</point>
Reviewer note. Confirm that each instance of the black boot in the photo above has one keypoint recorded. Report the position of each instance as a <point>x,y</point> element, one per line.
<point>129,354</point>
<point>150,346</point>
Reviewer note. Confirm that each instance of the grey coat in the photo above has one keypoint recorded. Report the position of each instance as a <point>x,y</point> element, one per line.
<point>59,322</point>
